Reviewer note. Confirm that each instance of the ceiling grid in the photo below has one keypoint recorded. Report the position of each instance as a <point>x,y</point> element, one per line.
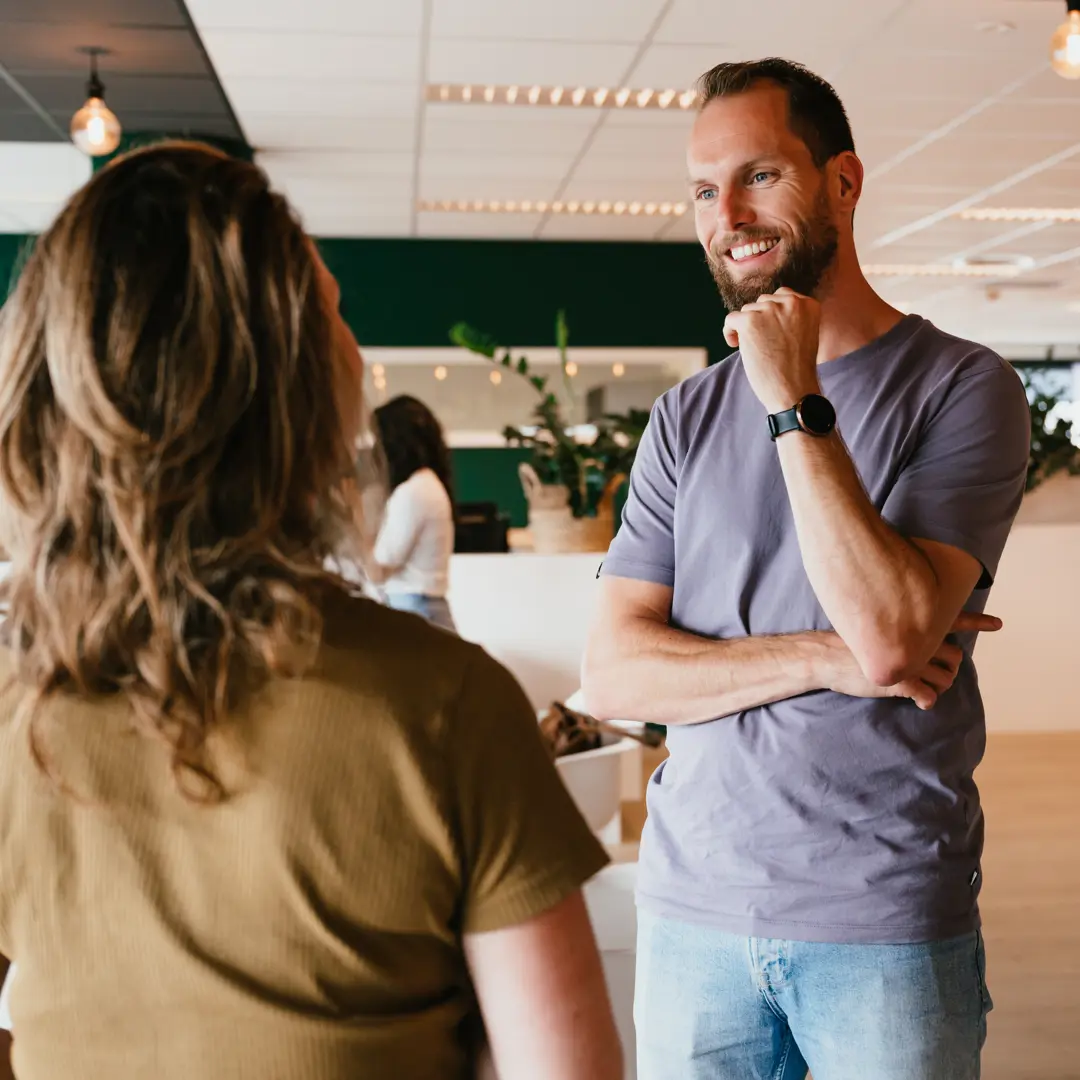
<point>953,106</point>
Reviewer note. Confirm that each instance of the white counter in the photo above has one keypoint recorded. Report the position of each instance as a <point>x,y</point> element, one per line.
<point>533,612</point>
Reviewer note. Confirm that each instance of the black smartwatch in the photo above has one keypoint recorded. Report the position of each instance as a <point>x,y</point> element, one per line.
<point>814,414</point>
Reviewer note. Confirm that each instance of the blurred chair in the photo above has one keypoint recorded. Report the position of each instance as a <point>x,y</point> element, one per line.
<point>480,528</point>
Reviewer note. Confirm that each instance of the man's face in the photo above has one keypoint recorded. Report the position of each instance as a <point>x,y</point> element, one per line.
<point>762,208</point>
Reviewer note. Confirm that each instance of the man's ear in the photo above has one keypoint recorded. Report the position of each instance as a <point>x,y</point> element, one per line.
<point>849,176</point>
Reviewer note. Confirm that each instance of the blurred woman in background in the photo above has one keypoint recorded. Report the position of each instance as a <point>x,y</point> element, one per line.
<point>411,557</point>
<point>239,837</point>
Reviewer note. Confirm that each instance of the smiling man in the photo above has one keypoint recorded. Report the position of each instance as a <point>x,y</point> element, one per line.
<point>811,532</point>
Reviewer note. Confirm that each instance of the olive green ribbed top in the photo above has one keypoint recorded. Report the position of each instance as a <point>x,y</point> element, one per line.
<point>308,927</point>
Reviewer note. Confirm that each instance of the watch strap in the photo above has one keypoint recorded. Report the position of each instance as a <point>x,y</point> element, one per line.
<point>782,422</point>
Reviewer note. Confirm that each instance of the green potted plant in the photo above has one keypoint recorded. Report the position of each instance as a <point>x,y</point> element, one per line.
<point>1052,446</point>
<point>570,484</point>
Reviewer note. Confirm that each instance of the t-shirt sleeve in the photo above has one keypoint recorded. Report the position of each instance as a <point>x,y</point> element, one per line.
<point>964,483</point>
<point>524,846</point>
<point>644,547</point>
<point>400,528</point>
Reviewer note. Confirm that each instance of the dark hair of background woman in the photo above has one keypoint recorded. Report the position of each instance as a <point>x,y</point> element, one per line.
<point>412,439</point>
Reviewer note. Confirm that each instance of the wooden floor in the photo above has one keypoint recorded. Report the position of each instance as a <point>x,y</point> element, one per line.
<point>1030,902</point>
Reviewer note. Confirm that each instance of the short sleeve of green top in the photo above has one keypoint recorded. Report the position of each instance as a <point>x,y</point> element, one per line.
<point>524,844</point>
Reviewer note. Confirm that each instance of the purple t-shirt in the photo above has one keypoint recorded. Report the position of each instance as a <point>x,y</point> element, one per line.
<point>823,817</point>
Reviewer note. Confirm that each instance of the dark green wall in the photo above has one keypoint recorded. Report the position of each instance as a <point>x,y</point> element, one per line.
<point>410,292</point>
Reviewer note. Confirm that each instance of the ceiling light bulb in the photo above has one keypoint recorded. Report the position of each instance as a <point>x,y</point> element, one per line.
<point>541,207</point>
<point>534,95</point>
<point>588,207</point>
<point>466,93</point>
<point>578,96</point>
<point>440,373</point>
<point>478,205</point>
<point>665,99</point>
<point>489,94</point>
<point>572,207</point>
<point>556,207</point>
<point>618,370</point>
<point>679,209</point>
<point>643,98</point>
<point>95,130</point>
<point>495,207</point>
<point>650,208</point>
<point>635,208</point>
<point>600,97</point>
<point>378,371</point>
<point>526,207</point>
<point>444,93</point>
<point>1065,44</point>
<point>619,208</point>
<point>556,95</point>
<point>687,98</point>
<point>510,207</point>
<point>511,95</point>
<point>665,208</point>
<point>495,377</point>
<point>604,207</point>
<point>622,97</point>
<point>571,368</point>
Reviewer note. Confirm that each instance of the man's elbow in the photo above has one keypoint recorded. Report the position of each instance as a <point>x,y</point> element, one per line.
<point>600,687</point>
<point>888,661</point>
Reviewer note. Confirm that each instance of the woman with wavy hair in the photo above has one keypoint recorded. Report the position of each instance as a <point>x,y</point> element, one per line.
<point>251,825</point>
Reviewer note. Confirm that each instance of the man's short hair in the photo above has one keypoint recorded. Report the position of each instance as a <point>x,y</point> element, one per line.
<point>815,112</point>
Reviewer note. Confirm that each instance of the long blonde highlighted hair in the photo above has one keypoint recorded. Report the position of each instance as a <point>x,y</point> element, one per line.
<point>178,410</point>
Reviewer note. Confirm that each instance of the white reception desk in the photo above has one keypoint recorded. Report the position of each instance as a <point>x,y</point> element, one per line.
<point>532,612</point>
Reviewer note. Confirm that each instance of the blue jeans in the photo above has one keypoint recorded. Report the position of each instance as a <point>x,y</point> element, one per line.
<point>433,608</point>
<point>712,1006</point>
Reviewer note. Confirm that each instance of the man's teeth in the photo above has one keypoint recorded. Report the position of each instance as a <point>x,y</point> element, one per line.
<point>747,250</point>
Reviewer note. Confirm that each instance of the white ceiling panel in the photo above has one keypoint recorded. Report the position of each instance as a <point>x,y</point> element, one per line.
<point>507,226</point>
<point>628,188</point>
<point>540,131</point>
<point>245,54</point>
<point>974,27</point>
<point>436,187</point>
<point>528,62</point>
<point>602,227</point>
<point>773,27</point>
<point>342,99</point>
<point>679,66</point>
<point>890,72</point>
<point>624,133</point>
<point>551,20</point>
<point>290,166</point>
<point>666,167</point>
<point>498,167</point>
<point>385,17</point>
<point>36,179</point>
<point>365,198</point>
<point>337,221</point>
<point>317,134</point>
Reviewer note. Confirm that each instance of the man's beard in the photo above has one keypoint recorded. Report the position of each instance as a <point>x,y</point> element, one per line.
<point>807,259</point>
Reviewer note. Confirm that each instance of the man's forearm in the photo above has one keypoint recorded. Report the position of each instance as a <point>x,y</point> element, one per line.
<point>656,674</point>
<point>878,590</point>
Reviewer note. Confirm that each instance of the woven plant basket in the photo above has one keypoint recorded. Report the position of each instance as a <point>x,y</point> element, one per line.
<point>554,529</point>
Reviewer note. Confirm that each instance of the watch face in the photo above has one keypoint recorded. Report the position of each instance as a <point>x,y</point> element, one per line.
<point>816,414</point>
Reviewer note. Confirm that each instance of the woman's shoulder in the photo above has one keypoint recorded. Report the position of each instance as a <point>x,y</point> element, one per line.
<point>396,648</point>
